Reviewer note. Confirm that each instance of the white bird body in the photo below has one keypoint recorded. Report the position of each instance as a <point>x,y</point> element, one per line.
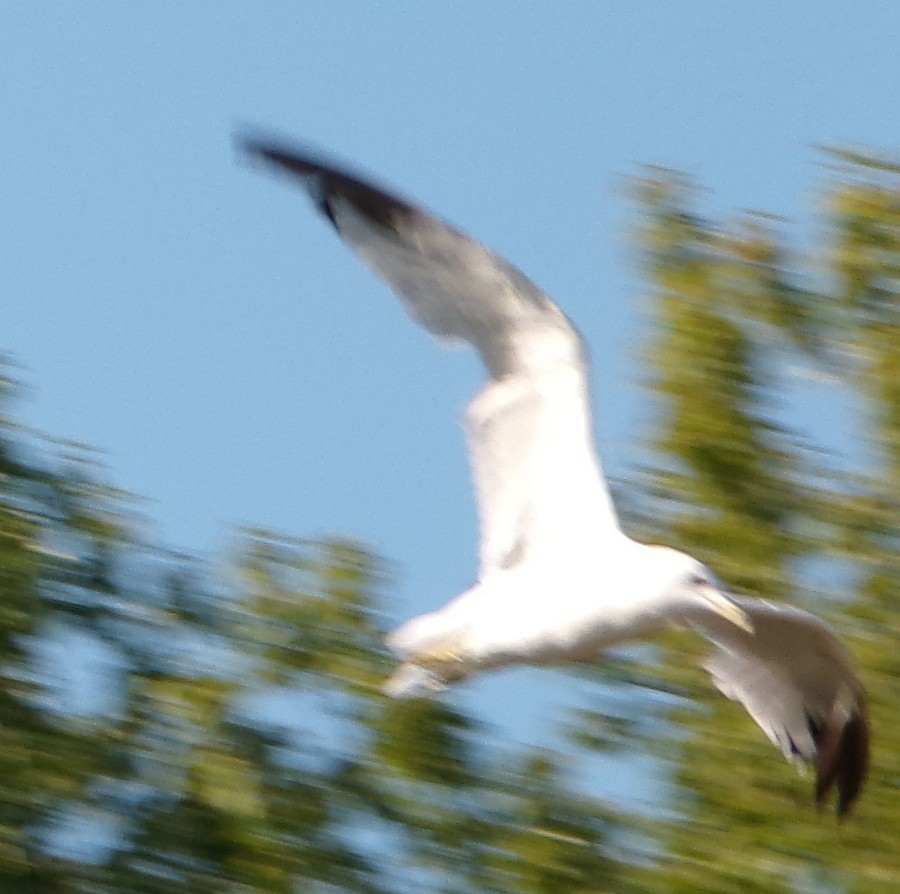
<point>542,610</point>
<point>558,579</point>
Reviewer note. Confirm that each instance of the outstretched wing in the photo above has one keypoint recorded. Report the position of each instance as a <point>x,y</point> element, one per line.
<point>537,479</point>
<point>798,682</point>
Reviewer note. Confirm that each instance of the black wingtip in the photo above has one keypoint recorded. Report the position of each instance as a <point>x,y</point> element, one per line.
<point>323,179</point>
<point>255,144</point>
<point>259,147</point>
<point>842,760</point>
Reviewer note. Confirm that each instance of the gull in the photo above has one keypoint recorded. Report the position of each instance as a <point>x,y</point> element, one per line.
<point>558,580</point>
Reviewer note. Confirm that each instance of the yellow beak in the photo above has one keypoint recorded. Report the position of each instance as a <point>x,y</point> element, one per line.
<point>729,610</point>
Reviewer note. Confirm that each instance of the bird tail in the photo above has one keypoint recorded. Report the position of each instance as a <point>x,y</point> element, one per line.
<point>413,681</point>
<point>428,647</point>
<point>421,635</point>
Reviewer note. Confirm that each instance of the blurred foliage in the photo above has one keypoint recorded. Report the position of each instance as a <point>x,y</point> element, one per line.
<point>238,740</point>
<point>748,337</point>
<point>245,744</point>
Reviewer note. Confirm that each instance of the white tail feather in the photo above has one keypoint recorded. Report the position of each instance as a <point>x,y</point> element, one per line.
<point>411,680</point>
<point>425,634</point>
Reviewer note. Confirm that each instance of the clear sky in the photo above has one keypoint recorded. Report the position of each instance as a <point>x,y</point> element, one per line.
<point>192,319</point>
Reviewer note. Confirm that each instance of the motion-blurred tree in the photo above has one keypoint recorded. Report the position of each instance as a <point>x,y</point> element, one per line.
<point>746,335</point>
<point>242,743</point>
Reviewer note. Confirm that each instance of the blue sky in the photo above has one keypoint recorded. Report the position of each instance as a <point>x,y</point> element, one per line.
<point>194,321</point>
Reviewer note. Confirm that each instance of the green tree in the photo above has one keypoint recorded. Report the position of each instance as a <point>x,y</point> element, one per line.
<point>743,326</point>
<point>243,743</point>
<point>246,745</point>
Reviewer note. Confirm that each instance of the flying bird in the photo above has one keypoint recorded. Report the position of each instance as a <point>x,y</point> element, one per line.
<point>558,580</point>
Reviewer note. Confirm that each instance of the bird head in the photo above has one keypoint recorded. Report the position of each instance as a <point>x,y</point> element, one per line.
<point>686,590</point>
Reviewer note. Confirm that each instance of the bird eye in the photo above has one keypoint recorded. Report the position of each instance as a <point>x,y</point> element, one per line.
<point>698,579</point>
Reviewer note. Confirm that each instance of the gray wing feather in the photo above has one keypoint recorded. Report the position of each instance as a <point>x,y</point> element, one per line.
<point>771,699</point>
<point>798,682</point>
<point>529,430</point>
<point>450,283</point>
